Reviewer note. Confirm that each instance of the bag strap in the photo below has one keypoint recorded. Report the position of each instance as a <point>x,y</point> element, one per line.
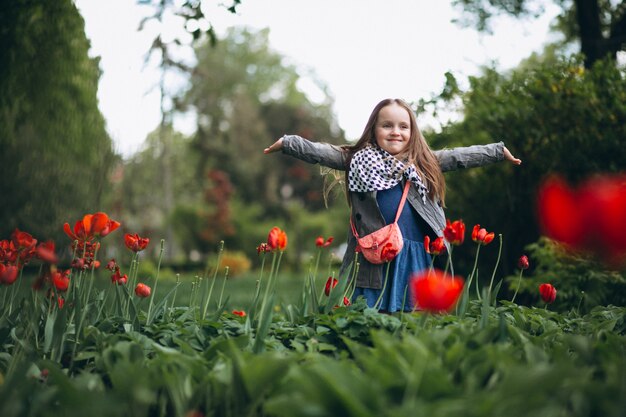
<point>398,213</point>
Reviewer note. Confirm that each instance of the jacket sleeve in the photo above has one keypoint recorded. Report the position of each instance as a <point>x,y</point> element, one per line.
<point>325,154</point>
<point>470,156</point>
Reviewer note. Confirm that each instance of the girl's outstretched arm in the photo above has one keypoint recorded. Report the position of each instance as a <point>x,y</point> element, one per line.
<point>325,154</point>
<point>474,156</point>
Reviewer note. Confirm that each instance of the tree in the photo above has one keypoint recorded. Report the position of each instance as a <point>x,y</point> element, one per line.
<point>599,25</point>
<point>56,153</point>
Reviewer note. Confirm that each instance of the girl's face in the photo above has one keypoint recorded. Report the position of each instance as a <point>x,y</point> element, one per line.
<point>393,128</point>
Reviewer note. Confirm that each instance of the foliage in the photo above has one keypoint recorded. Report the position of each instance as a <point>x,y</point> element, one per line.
<point>599,25</point>
<point>582,283</point>
<point>553,114</point>
<point>56,154</point>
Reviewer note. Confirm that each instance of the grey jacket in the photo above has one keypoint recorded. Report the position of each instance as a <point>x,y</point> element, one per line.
<point>365,212</point>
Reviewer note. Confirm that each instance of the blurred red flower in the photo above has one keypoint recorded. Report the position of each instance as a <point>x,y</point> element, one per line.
<point>590,218</point>
<point>263,248</point>
<point>239,313</point>
<point>142,290</point>
<point>480,235</point>
<point>45,252</point>
<point>320,243</point>
<point>277,239</point>
<point>8,274</point>
<point>454,232</point>
<point>61,280</point>
<point>548,293</point>
<point>434,291</point>
<point>436,247</point>
<point>135,242</point>
<point>118,278</point>
<point>330,283</point>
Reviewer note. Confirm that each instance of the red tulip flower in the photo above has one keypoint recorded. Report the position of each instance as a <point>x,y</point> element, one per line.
<point>320,243</point>
<point>346,302</point>
<point>61,280</point>
<point>277,239</point>
<point>91,226</point>
<point>239,313</point>
<point>522,262</point>
<point>142,290</point>
<point>434,291</point>
<point>548,293</point>
<point>480,235</point>
<point>8,274</point>
<point>436,247</point>
<point>135,242</point>
<point>388,253</point>
<point>23,240</point>
<point>61,302</point>
<point>454,232</point>
<point>330,284</point>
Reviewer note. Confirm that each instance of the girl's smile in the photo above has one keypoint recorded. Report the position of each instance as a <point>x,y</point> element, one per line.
<point>393,128</point>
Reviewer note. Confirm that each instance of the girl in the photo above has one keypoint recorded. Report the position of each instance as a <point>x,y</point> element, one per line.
<point>390,152</point>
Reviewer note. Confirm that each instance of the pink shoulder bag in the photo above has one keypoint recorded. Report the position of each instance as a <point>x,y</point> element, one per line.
<point>384,244</point>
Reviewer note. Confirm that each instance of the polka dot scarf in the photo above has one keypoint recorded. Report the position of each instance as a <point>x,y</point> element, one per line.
<point>373,168</point>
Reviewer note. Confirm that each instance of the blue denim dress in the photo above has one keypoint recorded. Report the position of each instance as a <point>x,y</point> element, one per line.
<point>411,259</point>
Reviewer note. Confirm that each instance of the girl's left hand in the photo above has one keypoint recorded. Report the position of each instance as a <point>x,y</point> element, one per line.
<point>509,157</point>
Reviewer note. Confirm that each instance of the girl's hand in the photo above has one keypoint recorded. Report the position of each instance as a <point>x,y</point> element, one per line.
<point>276,146</point>
<point>509,157</point>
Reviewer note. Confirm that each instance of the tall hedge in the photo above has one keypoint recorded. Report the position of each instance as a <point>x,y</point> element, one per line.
<point>55,151</point>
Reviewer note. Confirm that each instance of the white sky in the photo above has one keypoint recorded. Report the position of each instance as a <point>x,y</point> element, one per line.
<point>364,50</point>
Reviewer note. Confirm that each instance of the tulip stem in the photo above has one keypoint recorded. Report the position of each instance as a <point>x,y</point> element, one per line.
<point>379,302</point>
<point>217,266</point>
<point>519,282</point>
<point>493,274</point>
<point>156,280</point>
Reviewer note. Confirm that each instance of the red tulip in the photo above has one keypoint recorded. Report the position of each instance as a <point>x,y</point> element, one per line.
<point>8,274</point>
<point>239,313</point>
<point>135,242</point>
<point>388,253</point>
<point>23,240</point>
<point>91,226</point>
<point>346,302</point>
<point>61,302</point>
<point>548,293</point>
<point>277,239</point>
<point>434,291</point>
<point>436,247</point>
<point>320,243</point>
<point>481,236</point>
<point>522,262</point>
<point>454,232</point>
<point>61,280</point>
<point>142,290</point>
<point>8,252</point>
<point>330,282</point>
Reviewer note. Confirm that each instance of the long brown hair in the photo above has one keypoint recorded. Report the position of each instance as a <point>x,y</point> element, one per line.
<point>417,151</point>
